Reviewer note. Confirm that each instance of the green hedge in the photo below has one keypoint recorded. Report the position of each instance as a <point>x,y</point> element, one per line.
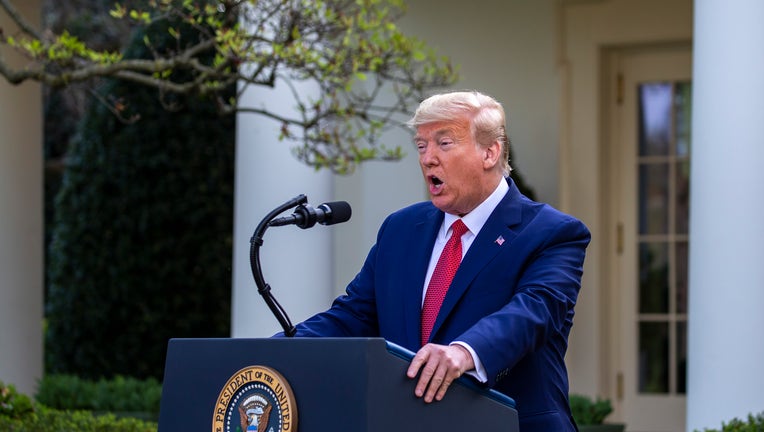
<point>142,237</point>
<point>14,405</point>
<point>50,420</point>
<point>119,395</point>
<point>18,413</point>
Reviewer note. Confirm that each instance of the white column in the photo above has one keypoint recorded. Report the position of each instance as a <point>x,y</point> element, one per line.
<point>726,345</point>
<point>21,224</point>
<point>295,262</point>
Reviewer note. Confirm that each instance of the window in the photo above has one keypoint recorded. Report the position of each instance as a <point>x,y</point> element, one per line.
<point>663,205</point>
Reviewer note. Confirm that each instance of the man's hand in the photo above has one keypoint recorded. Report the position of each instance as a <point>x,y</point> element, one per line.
<point>440,365</point>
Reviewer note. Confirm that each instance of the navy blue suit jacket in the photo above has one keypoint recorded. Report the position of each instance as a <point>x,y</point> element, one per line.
<point>511,301</point>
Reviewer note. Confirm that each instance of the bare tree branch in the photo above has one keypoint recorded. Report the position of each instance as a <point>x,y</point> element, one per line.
<point>19,19</point>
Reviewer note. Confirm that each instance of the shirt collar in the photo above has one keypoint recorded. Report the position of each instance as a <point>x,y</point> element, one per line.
<point>477,217</point>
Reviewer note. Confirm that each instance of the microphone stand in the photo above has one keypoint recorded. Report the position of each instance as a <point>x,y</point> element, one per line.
<point>254,259</point>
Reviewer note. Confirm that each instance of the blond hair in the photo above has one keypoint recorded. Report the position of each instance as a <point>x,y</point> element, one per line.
<point>484,113</point>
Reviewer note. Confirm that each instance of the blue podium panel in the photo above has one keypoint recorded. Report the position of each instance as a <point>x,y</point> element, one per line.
<point>343,384</point>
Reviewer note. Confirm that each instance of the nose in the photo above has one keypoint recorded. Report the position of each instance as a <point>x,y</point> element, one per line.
<point>428,156</point>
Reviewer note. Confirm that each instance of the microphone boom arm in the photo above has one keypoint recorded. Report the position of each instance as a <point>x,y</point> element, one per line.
<point>254,260</point>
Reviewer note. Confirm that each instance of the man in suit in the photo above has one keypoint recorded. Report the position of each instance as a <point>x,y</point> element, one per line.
<point>500,305</point>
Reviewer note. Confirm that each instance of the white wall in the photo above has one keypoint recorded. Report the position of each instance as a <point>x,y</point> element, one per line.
<point>507,49</point>
<point>21,225</point>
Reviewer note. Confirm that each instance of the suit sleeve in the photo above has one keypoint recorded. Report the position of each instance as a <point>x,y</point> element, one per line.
<point>353,314</point>
<point>540,311</point>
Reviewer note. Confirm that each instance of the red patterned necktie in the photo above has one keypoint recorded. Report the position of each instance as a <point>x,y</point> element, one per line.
<point>441,278</point>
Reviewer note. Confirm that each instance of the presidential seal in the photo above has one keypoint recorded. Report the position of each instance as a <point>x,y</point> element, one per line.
<point>255,399</point>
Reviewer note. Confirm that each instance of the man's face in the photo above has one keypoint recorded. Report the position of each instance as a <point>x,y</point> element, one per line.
<point>459,173</point>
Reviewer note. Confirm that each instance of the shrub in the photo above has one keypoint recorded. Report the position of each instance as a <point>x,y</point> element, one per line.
<point>14,405</point>
<point>754,423</point>
<point>141,246</point>
<point>18,413</point>
<point>119,395</point>
<point>588,411</point>
<point>65,392</point>
<point>50,420</point>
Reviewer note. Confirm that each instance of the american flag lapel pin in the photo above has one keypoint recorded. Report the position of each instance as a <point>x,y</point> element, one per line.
<point>500,240</point>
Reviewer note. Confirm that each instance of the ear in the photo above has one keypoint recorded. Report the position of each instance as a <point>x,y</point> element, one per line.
<point>491,155</point>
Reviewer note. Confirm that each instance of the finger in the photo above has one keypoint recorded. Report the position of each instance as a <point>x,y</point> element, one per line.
<point>436,381</point>
<point>416,363</point>
<point>425,379</point>
<point>444,386</point>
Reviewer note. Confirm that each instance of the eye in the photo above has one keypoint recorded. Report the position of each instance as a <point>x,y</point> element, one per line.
<point>420,146</point>
<point>445,142</point>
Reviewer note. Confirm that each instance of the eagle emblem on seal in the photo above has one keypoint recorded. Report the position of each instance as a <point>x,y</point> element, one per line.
<point>254,413</point>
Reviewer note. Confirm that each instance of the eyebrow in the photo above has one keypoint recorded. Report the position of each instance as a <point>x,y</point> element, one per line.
<point>438,133</point>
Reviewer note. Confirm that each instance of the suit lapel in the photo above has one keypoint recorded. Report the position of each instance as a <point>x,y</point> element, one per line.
<point>495,235</point>
<point>426,229</point>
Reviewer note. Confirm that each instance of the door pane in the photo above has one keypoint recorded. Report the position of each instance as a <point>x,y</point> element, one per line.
<point>655,109</point>
<point>681,357</point>
<point>653,278</point>
<point>653,357</point>
<point>683,115</point>
<point>653,198</point>
<point>663,169</point>
<point>682,196</point>
<point>681,261</point>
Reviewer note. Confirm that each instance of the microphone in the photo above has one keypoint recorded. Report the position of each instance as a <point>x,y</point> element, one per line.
<point>305,216</point>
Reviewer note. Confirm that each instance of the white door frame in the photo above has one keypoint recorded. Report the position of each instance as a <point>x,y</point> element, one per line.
<point>624,68</point>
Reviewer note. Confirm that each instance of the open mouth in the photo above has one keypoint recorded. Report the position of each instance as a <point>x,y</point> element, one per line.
<point>436,185</point>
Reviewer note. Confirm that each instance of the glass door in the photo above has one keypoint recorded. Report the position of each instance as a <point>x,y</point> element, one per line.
<point>651,127</point>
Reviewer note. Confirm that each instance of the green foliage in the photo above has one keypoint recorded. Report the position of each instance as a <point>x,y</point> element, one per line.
<point>120,395</point>
<point>588,411</point>
<point>754,423</point>
<point>19,414</point>
<point>141,246</point>
<point>14,405</point>
<point>50,420</point>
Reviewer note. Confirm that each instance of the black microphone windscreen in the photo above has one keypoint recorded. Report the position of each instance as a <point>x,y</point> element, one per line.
<point>340,212</point>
